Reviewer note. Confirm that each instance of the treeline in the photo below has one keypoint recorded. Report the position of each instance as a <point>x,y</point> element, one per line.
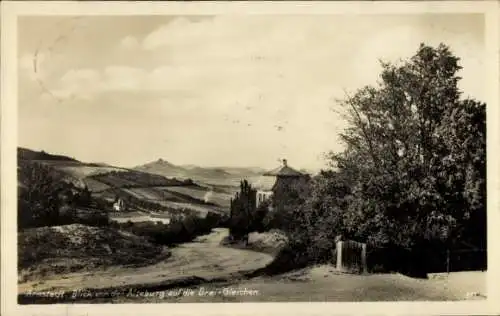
<point>27,154</point>
<point>47,198</point>
<point>412,175</point>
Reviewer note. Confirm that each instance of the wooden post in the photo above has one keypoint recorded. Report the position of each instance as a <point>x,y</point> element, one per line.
<point>363,259</point>
<point>448,261</point>
<point>339,255</point>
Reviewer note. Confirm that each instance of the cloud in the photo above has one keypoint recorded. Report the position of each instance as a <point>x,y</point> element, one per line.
<point>200,79</point>
<point>129,42</point>
<point>293,53</point>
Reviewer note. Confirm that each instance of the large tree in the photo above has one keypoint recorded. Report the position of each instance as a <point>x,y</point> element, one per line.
<point>416,152</point>
<point>413,172</point>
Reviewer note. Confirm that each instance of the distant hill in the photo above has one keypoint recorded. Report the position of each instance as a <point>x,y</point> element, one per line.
<point>244,170</point>
<point>28,154</point>
<point>163,167</point>
<point>197,173</point>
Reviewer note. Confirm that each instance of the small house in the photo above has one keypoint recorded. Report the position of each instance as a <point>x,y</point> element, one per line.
<point>118,205</point>
<point>279,183</point>
<point>288,182</point>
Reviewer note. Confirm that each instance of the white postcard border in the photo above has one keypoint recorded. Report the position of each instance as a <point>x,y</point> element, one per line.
<point>10,11</point>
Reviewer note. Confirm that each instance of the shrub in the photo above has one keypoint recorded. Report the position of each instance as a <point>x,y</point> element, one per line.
<point>46,198</point>
<point>287,259</point>
<point>177,231</point>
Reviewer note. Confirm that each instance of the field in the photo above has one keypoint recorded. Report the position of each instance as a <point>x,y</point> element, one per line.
<point>81,171</point>
<point>95,186</point>
<point>202,210</point>
<point>204,194</point>
<point>171,193</point>
<point>171,201</point>
<point>230,183</point>
<point>108,182</point>
<point>139,217</point>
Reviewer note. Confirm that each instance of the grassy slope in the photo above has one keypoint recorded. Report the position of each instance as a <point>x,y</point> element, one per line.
<point>68,248</point>
<point>201,193</point>
<point>28,154</point>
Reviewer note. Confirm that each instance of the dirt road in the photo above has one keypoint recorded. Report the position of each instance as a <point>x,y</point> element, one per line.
<point>203,258</point>
<point>322,284</point>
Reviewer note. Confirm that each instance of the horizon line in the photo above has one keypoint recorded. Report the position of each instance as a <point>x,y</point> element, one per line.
<point>182,165</point>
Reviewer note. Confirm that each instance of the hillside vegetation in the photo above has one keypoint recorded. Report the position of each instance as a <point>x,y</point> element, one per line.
<point>27,154</point>
<point>64,228</point>
<point>76,247</point>
<point>127,179</point>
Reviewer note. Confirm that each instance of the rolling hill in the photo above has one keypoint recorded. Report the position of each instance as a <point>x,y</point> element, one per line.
<point>159,184</point>
<point>218,176</point>
<point>166,168</point>
<point>146,191</point>
<point>28,154</point>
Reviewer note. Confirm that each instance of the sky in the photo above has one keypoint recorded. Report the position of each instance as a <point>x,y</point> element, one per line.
<point>213,90</point>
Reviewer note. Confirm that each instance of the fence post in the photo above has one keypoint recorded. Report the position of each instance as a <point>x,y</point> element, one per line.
<point>363,258</point>
<point>339,255</point>
<point>448,261</point>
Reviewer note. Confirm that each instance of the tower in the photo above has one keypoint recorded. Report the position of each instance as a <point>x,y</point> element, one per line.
<point>287,184</point>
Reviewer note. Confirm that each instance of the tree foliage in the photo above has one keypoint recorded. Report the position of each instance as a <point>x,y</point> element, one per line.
<point>243,210</point>
<point>39,195</point>
<point>413,171</point>
<point>47,197</point>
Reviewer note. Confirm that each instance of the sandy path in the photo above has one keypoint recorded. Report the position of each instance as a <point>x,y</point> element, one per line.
<point>322,284</point>
<point>203,258</point>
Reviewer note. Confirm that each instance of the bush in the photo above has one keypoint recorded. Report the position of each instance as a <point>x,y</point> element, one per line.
<point>74,247</point>
<point>39,197</point>
<point>288,259</point>
<point>177,231</point>
<point>46,198</point>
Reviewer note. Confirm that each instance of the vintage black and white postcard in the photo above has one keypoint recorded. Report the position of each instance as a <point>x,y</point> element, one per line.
<point>177,155</point>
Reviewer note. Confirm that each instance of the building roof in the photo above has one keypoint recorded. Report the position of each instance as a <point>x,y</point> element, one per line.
<point>284,171</point>
<point>263,183</point>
